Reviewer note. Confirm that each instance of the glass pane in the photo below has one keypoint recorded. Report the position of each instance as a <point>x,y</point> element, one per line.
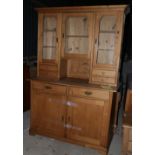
<point>77,26</point>
<point>49,38</point>
<point>49,53</point>
<point>76,45</point>
<point>108,23</point>
<point>50,23</point>
<point>106,40</point>
<point>105,56</point>
<point>76,35</point>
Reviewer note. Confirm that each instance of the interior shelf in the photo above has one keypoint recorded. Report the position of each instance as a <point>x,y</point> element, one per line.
<point>82,36</point>
<point>48,30</point>
<point>107,31</point>
<point>49,46</point>
<point>111,50</point>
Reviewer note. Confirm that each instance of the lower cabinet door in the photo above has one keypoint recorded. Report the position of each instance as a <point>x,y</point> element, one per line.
<point>85,120</point>
<point>48,113</point>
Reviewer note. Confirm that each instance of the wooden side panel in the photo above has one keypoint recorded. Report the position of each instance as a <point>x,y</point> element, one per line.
<point>127,141</point>
<point>128,103</point>
<point>40,43</point>
<point>107,122</point>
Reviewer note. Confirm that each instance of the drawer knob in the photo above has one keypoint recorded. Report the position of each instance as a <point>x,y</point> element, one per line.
<point>48,87</point>
<point>88,93</point>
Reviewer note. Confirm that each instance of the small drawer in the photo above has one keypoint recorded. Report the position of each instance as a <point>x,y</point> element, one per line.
<point>48,67</point>
<point>48,87</point>
<point>91,93</point>
<point>98,79</point>
<point>103,73</point>
<point>53,75</point>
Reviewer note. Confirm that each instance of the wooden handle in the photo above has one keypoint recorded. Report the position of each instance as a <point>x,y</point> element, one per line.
<point>95,41</point>
<point>62,118</point>
<point>88,93</point>
<point>48,87</point>
<point>63,35</point>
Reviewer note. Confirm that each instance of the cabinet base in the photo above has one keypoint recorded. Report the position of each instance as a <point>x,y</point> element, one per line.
<point>101,150</point>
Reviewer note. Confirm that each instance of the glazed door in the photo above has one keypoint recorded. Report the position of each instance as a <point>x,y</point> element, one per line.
<point>48,37</point>
<point>48,113</point>
<point>77,32</point>
<point>85,120</point>
<point>108,35</point>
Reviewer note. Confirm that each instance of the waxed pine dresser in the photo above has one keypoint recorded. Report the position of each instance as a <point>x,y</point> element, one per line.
<point>73,96</point>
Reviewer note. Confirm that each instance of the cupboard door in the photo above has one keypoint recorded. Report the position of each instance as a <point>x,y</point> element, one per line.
<point>48,36</point>
<point>107,39</point>
<point>85,120</point>
<point>48,113</point>
<point>76,34</point>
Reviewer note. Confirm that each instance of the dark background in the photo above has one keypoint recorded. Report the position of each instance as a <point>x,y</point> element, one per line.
<point>30,22</point>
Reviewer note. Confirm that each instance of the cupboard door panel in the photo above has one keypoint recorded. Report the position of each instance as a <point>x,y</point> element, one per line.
<point>85,120</point>
<point>108,23</point>
<point>107,35</point>
<point>48,36</point>
<point>77,33</point>
<point>77,25</point>
<point>50,23</point>
<point>48,112</point>
<point>76,45</point>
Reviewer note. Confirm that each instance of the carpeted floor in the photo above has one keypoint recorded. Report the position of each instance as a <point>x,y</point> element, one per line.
<point>39,145</point>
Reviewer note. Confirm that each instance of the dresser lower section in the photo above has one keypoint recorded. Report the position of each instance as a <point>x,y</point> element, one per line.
<point>73,113</point>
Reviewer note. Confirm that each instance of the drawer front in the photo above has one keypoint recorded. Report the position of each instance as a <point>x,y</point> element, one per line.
<point>101,79</point>
<point>49,87</point>
<point>103,73</point>
<point>48,67</point>
<point>91,93</point>
<point>53,75</point>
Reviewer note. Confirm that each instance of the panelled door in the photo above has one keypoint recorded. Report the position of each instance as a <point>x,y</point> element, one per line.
<point>48,35</point>
<point>48,113</point>
<point>86,121</point>
<point>76,33</point>
<point>107,48</point>
<point>107,39</point>
<point>49,39</point>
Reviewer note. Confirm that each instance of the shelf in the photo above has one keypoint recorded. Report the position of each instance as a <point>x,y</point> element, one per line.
<point>107,31</point>
<point>49,46</point>
<point>111,50</point>
<point>46,30</point>
<point>74,36</point>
